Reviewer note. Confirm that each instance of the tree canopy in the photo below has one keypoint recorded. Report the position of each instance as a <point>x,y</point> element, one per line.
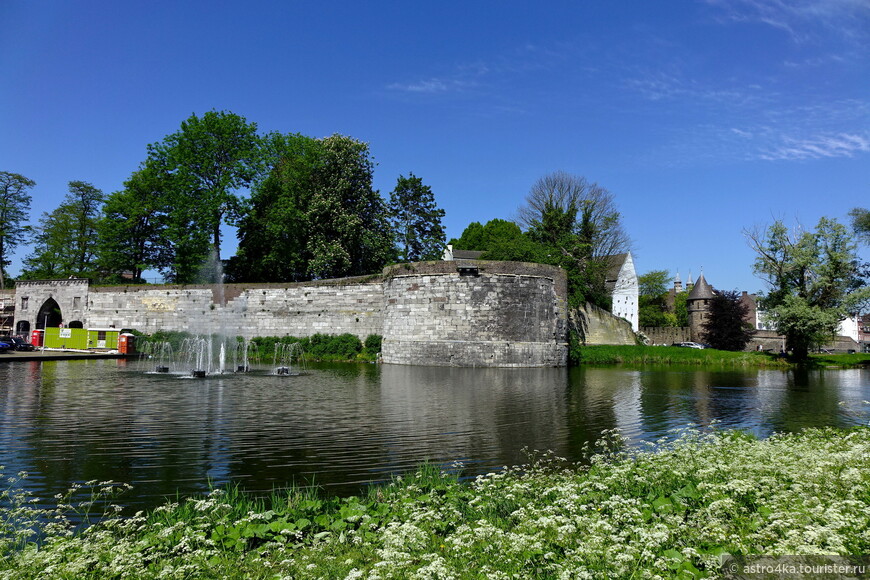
<point>66,239</point>
<point>315,216</point>
<point>811,277</point>
<point>726,327</point>
<point>416,220</point>
<point>861,223</point>
<point>203,166</point>
<point>14,212</point>
<point>132,228</point>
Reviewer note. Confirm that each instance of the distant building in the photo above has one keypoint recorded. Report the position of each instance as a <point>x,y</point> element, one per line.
<point>698,307</point>
<point>450,254</point>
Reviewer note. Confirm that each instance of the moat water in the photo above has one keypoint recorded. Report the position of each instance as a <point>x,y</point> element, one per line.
<point>343,426</point>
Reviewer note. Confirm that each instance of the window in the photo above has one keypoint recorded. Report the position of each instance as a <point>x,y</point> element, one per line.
<point>77,302</point>
<point>24,301</point>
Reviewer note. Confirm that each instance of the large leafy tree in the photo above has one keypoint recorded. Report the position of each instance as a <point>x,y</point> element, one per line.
<point>66,240</point>
<point>14,212</point>
<point>315,216</point>
<point>349,228</point>
<point>500,239</point>
<point>726,327</point>
<point>273,244</point>
<point>590,211</point>
<point>132,228</point>
<point>812,280</point>
<point>861,223</point>
<point>580,225</point>
<point>205,163</point>
<point>652,294</point>
<point>416,220</point>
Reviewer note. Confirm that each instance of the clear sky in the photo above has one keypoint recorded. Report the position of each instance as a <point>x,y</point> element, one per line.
<point>703,118</point>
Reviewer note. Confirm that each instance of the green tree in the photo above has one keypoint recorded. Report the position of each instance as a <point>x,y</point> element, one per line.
<point>500,239</point>
<point>812,281</point>
<point>652,294</point>
<point>596,221</point>
<point>348,224</point>
<point>861,223</point>
<point>66,241</point>
<point>579,224</point>
<point>416,220</point>
<point>205,164</point>
<point>273,233</point>
<point>315,216</point>
<point>726,327</point>
<point>132,228</point>
<point>14,211</point>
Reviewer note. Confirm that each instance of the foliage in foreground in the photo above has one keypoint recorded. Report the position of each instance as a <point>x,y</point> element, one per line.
<point>671,513</point>
<point>317,347</point>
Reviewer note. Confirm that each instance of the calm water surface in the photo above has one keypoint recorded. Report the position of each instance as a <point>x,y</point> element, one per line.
<point>342,426</point>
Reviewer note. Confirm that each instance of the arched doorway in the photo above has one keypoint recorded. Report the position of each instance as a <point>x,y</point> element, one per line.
<point>49,315</point>
<point>22,328</point>
<point>76,324</point>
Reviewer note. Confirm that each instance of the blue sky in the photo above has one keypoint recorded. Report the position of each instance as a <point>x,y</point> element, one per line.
<point>704,118</point>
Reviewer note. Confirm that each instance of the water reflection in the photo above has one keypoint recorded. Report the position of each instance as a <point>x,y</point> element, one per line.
<point>341,426</point>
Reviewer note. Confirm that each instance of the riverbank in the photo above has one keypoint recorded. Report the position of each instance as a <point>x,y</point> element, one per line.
<point>671,355</point>
<point>674,512</point>
<point>58,354</point>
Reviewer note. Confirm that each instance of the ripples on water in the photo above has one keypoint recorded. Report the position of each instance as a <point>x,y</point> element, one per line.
<point>342,426</point>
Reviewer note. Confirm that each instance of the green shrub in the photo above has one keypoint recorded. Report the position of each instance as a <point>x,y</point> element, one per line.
<point>373,344</point>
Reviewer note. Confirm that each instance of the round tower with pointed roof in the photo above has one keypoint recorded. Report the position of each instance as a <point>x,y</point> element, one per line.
<point>698,307</point>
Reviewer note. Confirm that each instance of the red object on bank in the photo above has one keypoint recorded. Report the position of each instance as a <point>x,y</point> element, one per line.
<point>126,343</point>
<point>36,337</point>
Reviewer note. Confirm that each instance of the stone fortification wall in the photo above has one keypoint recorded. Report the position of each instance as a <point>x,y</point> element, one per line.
<point>667,335</point>
<point>339,306</point>
<point>598,326</point>
<point>476,313</point>
<point>432,313</point>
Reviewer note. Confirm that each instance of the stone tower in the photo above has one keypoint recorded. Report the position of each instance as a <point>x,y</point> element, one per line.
<point>698,307</point>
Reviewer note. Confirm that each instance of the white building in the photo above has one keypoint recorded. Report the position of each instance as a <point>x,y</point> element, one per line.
<point>623,286</point>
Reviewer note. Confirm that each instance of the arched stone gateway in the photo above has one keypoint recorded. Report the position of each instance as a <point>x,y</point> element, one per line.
<point>49,315</point>
<point>22,328</point>
<point>59,300</point>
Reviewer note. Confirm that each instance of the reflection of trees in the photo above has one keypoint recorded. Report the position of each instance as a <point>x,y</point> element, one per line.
<point>590,398</point>
<point>348,424</point>
<point>811,399</point>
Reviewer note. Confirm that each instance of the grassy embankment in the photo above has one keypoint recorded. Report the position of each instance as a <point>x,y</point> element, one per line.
<point>670,355</point>
<point>670,513</point>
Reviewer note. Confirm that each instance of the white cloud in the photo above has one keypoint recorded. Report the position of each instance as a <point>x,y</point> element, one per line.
<point>802,19</point>
<point>818,147</point>
<point>431,86</point>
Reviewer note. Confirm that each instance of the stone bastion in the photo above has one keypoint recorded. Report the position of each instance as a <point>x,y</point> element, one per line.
<point>475,313</point>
